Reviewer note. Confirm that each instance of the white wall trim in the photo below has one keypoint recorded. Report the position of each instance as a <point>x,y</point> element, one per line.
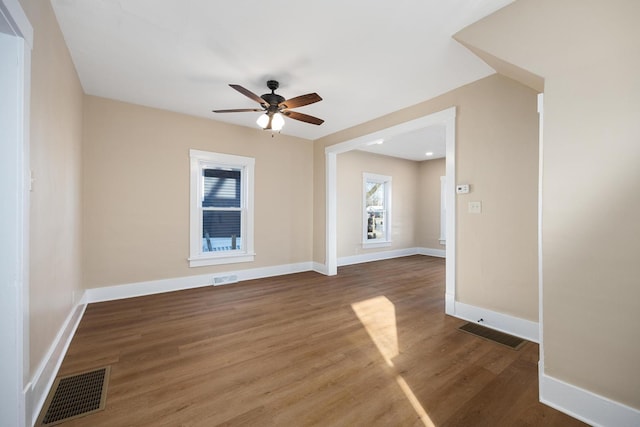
<point>131,290</point>
<point>18,20</point>
<point>48,369</point>
<point>15,405</point>
<point>449,303</point>
<point>450,202</point>
<point>439,253</point>
<point>584,405</point>
<point>376,256</point>
<point>540,202</point>
<point>331,201</point>
<point>396,253</point>
<point>320,268</point>
<point>499,321</point>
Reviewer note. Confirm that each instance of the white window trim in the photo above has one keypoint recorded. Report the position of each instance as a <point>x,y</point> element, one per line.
<point>199,159</point>
<point>386,180</point>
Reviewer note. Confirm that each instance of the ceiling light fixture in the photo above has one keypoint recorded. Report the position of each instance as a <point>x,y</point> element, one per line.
<point>271,121</point>
<point>376,142</point>
<point>275,106</point>
<point>429,153</point>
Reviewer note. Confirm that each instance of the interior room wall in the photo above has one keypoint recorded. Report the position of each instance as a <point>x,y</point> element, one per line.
<point>428,200</point>
<point>496,153</point>
<point>55,215</point>
<point>136,192</point>
<point>350,169</point>
<point>587,52</point>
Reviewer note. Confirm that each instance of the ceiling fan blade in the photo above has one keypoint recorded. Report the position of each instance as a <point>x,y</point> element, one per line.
<point>238,110</point>
<point>300,101</point>
<point>303,117</point>
<point>249,94</point>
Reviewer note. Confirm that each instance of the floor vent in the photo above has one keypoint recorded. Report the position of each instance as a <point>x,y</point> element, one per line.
<point>225,280</point>
<point>75,396</point>
<point>510,341</point>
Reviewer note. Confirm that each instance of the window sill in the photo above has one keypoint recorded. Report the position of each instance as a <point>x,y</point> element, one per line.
<point>220,260</point>
<point>373,245</point>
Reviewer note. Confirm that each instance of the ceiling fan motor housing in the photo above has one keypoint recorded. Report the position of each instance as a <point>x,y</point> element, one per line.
<point>272,99</point>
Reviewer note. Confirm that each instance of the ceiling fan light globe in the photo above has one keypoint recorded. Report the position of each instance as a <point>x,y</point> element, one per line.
<point>277,122</point>
<point>263,120</point>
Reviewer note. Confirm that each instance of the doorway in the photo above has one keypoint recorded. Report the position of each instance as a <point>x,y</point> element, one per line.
<point>445,117</point>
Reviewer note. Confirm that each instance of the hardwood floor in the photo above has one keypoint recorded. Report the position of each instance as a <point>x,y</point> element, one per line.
<point>369,347</point>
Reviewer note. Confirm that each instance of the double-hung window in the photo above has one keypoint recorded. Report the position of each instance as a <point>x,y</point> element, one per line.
<point>377,210</point>
<point>221,220</point>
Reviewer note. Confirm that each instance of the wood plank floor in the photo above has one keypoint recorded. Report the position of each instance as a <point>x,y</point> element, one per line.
<point>369,347</point>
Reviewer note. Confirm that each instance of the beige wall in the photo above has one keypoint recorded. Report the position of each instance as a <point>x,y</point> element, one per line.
<point>404,174</point>
<point>136,192</point>
<point>55,216</point>
<point>587,52</point>
<point>496,152</point>
<point>428,203</point>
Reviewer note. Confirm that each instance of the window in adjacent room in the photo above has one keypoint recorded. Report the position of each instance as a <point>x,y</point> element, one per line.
<point>221,220</point>
<point>377,210</point>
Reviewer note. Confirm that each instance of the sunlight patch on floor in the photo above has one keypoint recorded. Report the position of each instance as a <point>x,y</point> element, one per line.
<point>378,316</point>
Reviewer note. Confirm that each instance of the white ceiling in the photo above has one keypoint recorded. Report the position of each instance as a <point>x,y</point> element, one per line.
<point>365,58</point>
<point>411,145</point>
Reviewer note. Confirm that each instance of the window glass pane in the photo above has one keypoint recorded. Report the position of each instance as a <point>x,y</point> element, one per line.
<point>221,231</point>
<point>221,188</point>
<point>375,195</point>
<point>375,210</point>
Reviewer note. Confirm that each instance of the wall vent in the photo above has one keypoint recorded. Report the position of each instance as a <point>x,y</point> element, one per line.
<point>225,280</point>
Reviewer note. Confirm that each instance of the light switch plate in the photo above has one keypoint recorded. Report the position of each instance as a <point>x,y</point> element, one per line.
<point>475,207</point>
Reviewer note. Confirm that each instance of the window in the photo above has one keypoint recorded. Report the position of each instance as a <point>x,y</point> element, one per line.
<point>221,220</point>
<point>377,210</point>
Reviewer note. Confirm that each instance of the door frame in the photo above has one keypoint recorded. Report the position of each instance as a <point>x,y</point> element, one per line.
<point>445,117</point>
<point>15,370</point>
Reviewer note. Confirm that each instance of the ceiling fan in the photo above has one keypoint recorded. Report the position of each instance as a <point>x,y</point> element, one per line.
<point>275,106</point>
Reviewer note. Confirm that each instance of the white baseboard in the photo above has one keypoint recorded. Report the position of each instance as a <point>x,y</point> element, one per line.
<point>48,369</point>
<point>449,304</point>
<point>320,268</point>
<point>440,253</point>
<point>375,256</point>
<point>584,405</point>
<point>131,290</point>
<point>502,322</point>
<point>137,289</point>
